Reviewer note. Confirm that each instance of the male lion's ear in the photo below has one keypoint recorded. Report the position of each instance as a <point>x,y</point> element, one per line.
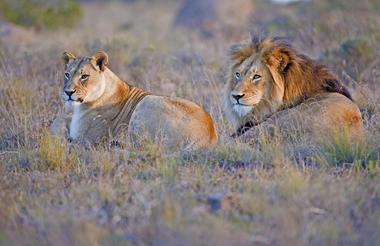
<point>101,60</point>
<point>67,56</point>
<point>278,58</point>
<point>239,52</point>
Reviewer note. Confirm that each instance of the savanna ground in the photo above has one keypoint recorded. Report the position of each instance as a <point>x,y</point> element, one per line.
<point>304,192</point>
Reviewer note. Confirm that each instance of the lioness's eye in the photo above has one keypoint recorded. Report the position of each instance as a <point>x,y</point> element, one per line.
<point>256,76</point>
<point>84,77</point>
<point>237,75</point>
<point>67,75</point>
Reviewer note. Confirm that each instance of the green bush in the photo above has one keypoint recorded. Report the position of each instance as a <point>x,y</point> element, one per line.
<point>41,13</point>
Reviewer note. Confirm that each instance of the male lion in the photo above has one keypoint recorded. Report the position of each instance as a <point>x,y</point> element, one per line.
<point>272,84</point>
<point>105,107</point>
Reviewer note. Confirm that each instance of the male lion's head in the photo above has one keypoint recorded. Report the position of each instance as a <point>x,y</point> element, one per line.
<point>251,88</point>
<point>84,78</point>
<point>249,84</point>
<point>267,74</point>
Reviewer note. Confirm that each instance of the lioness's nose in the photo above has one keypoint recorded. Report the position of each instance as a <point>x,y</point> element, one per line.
<point>237,96</point>
<point>69,93</point>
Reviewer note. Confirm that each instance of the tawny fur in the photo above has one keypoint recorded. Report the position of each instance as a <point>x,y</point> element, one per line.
<point>106,108</point>
<point>287,80</point>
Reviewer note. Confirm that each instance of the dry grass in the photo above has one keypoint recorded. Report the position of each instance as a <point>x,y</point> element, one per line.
<point>277,193</point>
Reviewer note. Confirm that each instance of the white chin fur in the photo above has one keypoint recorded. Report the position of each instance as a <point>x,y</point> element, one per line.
<point>71,104</point>
<point>242,110</point>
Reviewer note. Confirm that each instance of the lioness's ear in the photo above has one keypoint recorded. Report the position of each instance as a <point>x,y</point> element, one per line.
<point>239,52</point>
<point>101,60</point>
<point>67,56</point>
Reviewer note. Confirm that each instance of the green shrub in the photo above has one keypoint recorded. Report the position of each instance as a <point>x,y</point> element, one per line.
<point>41,13</point>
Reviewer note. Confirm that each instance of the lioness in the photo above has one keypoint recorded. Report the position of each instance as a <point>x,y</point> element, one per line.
<point>272,84</point>
<point>104,107</point>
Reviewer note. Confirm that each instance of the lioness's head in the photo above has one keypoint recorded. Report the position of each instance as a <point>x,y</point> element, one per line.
<point>84,78</point>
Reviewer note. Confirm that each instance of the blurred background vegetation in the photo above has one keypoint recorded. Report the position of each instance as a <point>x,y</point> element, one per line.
<point>41,13</point>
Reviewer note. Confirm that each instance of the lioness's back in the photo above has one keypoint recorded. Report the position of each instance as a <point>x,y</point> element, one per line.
<point>170,118</point>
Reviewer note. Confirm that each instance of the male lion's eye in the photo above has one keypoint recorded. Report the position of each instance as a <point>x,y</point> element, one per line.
<point>256,76</point>
<point>67,75</point>
<point>237,75</point>
<point>84,77</point>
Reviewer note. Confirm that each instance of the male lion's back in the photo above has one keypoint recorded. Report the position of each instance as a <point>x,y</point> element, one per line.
<point>318,117</point>
<point>342,110</point>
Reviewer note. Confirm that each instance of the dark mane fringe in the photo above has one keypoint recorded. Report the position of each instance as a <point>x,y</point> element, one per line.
<point>336,86</point>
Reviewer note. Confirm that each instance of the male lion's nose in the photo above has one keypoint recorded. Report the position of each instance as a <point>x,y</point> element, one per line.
<point>237,96</point>
<point>69,93</point>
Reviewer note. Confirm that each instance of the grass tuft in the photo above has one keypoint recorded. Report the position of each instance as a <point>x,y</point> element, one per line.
<point>56,154</point>
<point>344,151</point>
